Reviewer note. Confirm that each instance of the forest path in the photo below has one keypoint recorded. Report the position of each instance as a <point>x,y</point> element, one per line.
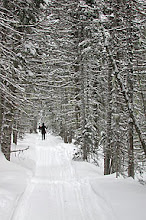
<point>55,192</point>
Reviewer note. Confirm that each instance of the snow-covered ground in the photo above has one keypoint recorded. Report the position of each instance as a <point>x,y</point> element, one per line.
<point>44,183</point>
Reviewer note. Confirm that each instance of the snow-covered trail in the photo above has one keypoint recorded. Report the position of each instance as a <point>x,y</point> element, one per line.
<point>55,192</point>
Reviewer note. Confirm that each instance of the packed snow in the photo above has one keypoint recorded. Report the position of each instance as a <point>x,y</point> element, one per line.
<point>44,183</point>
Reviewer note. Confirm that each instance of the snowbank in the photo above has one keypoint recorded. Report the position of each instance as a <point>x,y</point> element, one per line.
<point>13,181</point>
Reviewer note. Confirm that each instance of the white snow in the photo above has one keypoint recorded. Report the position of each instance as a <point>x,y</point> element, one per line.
<point>102,17</point>
<point>30,73</point>
<point>44,183</point>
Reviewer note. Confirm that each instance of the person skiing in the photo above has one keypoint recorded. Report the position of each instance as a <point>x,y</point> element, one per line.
<point>43,130</point>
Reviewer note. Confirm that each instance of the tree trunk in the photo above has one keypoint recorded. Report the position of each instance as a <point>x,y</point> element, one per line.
<point>107,150</point>
<point>15,137</point>
<point>70,137</point>
<point>130,47</point>
<point>1,115</point>
<point>65,137</point>
<point>6,131</point>
<point>35,125</point>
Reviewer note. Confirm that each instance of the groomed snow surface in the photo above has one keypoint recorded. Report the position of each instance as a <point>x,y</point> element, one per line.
<point>44,183</point>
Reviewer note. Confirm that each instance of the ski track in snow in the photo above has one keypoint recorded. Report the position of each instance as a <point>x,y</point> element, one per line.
<point>55,193</point>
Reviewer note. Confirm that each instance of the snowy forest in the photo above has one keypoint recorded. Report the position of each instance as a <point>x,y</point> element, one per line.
<point>79,67</point>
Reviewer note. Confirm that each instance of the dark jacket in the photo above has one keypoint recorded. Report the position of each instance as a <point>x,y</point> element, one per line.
<point>43,129</point>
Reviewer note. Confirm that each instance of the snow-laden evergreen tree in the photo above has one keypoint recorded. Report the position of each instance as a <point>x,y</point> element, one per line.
<point>121,47</point>
<point>16,19</point>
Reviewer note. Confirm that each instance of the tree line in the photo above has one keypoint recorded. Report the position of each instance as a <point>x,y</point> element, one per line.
<point>79,66</point>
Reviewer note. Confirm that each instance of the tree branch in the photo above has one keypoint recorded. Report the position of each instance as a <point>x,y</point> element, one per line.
<point>19,150</point>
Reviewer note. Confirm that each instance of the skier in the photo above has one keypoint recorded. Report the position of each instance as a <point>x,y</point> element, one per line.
<point>43,130</point>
